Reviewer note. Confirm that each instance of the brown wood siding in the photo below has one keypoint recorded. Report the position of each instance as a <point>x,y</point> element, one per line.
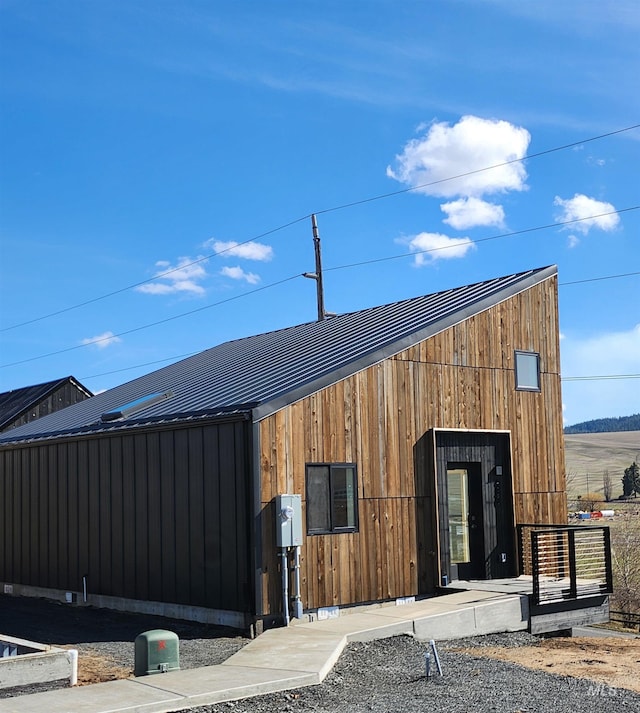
<point>158,516</point>
<point>380,418</point>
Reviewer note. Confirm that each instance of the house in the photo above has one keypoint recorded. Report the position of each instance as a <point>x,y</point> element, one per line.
<point>21,406</point>
<point>418,434</point>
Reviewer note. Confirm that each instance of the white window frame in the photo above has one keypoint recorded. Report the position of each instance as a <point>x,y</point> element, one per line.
<point>522,374</point>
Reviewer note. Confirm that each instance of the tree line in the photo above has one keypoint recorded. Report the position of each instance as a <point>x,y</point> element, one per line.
<point>607,425</point>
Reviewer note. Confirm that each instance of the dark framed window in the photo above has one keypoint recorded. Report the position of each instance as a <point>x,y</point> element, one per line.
<point>527,371</point>
<point>332,498</point>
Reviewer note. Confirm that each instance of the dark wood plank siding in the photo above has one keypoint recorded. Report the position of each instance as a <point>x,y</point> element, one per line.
<point>380,418</point>
<point>159,515</point>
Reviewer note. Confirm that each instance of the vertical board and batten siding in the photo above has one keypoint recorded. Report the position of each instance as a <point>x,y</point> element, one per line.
<point>380,418</point>
<point>159,515</point>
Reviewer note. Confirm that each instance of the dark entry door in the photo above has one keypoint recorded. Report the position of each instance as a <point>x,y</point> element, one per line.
<point>474,498</point>
<point>466,520</point>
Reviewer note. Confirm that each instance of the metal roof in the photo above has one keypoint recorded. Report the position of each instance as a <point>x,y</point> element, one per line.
<point>265,372</point>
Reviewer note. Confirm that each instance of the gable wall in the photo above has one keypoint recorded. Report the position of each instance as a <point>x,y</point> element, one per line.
<point>379,418</point>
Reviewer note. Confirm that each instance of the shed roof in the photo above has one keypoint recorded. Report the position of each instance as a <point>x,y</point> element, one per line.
<point>17,402</point>
<point>266,372</point>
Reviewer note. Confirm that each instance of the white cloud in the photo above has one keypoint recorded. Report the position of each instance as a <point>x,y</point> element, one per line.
<point>237,273</point>
<point>573,240</point>
<point>184,277</point>
<point>581,208</point>
<point>430,247</point>
<point>102,341</point>
<point>606,354</point>
<point>468,212</point>
<point>470,145</point>
<point>247,251</point>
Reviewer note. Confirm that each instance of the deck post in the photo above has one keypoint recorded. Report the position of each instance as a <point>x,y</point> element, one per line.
<point>535,567</point>
<point>573,575</point>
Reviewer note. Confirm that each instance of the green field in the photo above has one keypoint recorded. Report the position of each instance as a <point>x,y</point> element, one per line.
<point>589,455</point>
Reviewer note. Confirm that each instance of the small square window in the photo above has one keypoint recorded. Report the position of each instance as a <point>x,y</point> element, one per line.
<point>332,498</point>
<point>527,371</point>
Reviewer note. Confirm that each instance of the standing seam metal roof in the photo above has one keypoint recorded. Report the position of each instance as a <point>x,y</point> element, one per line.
<point>267,371</point>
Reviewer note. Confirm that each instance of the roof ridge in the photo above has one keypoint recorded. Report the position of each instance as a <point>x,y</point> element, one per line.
<point>274,368</point>
<point>363,310</point>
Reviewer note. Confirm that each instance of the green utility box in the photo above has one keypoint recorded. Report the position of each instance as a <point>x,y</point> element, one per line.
<point>156,651</point>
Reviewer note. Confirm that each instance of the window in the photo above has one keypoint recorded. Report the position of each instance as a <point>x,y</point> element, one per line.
<point>527,371</point>
<point>332,498</point>
<point>458,502</point>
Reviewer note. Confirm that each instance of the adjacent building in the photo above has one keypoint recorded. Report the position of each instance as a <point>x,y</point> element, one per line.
<point>24,405</point>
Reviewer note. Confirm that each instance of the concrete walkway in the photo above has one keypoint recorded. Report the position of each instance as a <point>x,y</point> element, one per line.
<point>286,658</point>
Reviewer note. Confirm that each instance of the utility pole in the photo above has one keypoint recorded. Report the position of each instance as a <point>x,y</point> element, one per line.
<point>317,275</point>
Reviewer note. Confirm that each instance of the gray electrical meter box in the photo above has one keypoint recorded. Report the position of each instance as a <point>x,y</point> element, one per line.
<point>156,651</point>
<point>288,520</point>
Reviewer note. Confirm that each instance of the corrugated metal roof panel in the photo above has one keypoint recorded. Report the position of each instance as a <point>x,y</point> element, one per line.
<point>272,369</point>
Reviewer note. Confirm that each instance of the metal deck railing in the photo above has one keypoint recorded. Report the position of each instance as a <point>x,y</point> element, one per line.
<point>565,561</point>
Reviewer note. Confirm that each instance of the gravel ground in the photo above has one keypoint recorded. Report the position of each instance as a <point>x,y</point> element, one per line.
<point>386,676</point>
<point>104,638</point>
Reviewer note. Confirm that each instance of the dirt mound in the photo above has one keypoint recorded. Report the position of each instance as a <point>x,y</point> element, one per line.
<point>94,667</point>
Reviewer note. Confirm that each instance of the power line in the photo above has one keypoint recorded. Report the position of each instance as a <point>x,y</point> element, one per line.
<point>246,294</point>
<point>483,240</point>
<point>597,279</point>
<point>151,324</point>
<point>184,356</point>
<point>175,358</point>
<point>605,377</point>
<point>477,170</point>
<point>330,210</point>
<point>151,279</point>
<point>292,277</point>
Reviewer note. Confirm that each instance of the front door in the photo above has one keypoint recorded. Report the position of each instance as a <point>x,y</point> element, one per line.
<point>474,505</point>
<point>466,521</point>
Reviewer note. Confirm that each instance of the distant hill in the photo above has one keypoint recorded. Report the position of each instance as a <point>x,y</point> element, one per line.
<point>589,456</point>
<point>607,425</point>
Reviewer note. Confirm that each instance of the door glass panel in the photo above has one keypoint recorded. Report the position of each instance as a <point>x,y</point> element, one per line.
<point>458,501</point>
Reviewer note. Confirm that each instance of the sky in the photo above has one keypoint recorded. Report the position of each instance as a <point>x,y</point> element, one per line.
<point>160,161</point>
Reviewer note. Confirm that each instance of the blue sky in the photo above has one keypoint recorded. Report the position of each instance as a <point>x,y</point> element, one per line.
<point>138,138</point>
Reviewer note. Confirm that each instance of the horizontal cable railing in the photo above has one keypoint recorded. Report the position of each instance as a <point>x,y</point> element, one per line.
<point>565,561</point>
